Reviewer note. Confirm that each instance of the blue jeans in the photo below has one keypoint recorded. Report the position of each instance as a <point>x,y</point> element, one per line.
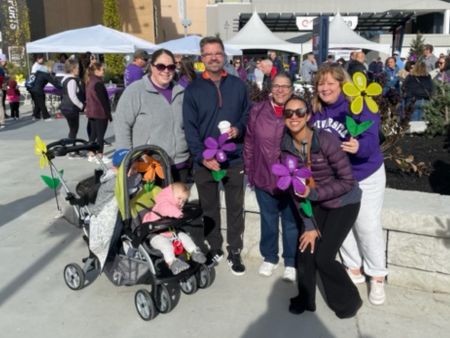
<point>272,207</point>
<point>417,114</point>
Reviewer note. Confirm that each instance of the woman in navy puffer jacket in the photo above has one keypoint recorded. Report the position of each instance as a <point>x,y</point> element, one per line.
<point>335,197</point>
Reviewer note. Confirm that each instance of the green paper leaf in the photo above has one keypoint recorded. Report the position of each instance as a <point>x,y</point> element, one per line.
<point>149,186</point>
<point>219,174</point>
<point>306,207</point>
<point>52,183</point>
<point>356,129</point>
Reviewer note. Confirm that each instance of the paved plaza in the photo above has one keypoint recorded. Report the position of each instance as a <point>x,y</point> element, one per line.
<point>36,244</point>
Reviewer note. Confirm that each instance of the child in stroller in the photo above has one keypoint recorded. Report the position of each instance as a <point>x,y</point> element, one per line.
<point>169,203</point>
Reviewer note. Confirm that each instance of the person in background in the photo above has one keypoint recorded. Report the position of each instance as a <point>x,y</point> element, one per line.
<point>398,60</point>
<point>266,67</point>
<point>375,69</point>
<point>308,68</point>
<point>443,65</point>
<point>277,63</point>
<point>58,66</point>
<point>72,101</point>
<point>330,59</point>
<point>186,73</point>
<point>293,67</point>
<point>418,88</point>
<point>149,112</point>
<point>429,58</point>
<point>335,197</point>
<point>135,70</point>
<point>211,98</point>
<point>258,74</point>
<point>13,97</point>
<point>364,246</point>
<point>392,83</point>
<point>39,64</point>
<point>240,69</point>
<point>42,77</point>
<point>2,80</point>
<point>357,64</point>
<point>98,109</point>
<point>261,151</point>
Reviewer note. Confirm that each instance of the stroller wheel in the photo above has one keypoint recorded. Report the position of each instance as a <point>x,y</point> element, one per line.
<point>166,297</point>
<point>145,305</point>
<point>205,276</point>
<point>189,285</point>
<point>74,276</point>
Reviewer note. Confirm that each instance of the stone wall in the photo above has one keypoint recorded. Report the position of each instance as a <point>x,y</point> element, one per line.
<point>417,229</point>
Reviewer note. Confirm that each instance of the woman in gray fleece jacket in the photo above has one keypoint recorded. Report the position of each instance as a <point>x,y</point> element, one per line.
<point>150,112</point>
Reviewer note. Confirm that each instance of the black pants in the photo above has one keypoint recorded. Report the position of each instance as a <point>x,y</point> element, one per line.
<point>98,131</point>
<point>14,107</point>
<point>39,106</point>
<point>208,192</point>
<point>342,295</point>
<point>73,120</point>
<point>4,100</point>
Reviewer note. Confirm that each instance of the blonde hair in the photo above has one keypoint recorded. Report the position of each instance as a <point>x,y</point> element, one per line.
<point>419,69</point>
<point>337,72</point>
<point>181,187</point>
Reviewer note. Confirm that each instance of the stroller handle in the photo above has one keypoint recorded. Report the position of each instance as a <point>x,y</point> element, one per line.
<point>68,145</point>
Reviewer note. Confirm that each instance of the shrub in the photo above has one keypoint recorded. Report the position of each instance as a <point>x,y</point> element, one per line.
<point>436,112</point>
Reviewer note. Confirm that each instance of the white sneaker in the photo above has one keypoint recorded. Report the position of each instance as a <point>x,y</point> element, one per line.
<point>266,269</point>
<point>377,296</point>
<point>48,119</point>
<point>92,159</point>
<point>356,278</point>
<point>290,274</point>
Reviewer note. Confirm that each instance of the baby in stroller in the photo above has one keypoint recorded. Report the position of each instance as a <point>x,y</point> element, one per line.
<point>169,203</point>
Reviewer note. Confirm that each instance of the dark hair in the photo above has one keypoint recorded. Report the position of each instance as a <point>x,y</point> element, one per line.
<point>390,57</point>
<point>91,70</point>
<point>38,56</point>
<point>211,39</point>
<point>156,54</point>
<point>70,65</point>
<point>187,68</point>
<point>409,65</point>
<point>281,74</point>
<point>301,99</point>
<point>429,47</point>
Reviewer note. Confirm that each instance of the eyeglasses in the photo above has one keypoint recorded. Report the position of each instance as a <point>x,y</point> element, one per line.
<point>300,112</point>
<point>441,63</point>
<point>282,87</point>
<point>160,67</point>
<point>210,55</point>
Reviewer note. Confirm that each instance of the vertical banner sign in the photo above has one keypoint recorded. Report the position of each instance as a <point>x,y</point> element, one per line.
<point>397,38</point>
<point>320,38</point>
<point>14,25</point>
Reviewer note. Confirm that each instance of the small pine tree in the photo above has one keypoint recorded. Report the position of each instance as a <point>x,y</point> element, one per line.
<point>416,47</point>
<point>111,18</point>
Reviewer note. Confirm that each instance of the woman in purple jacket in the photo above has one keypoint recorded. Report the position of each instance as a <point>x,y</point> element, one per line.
<point>335,197</point>
<point>262,149</point>
<point>364,247</point>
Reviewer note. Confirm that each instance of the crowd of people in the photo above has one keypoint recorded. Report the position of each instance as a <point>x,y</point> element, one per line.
<point>169,103</point>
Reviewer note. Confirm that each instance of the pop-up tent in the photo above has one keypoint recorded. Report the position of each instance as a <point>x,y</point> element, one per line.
<point>256,35</point>
<point>191,45</point>
<point>95,39</point>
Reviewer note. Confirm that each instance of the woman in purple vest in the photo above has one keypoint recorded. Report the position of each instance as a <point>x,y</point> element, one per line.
<point>98,109</point>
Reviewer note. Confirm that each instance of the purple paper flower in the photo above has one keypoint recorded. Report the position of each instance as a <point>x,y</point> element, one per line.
<point>289,174</point>
<point>217,148</point>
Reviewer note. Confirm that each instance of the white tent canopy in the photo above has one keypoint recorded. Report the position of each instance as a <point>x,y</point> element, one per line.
<point>191,45</point>
<point>341,36</point>
<point>256,35</point>
<point>95,39</point>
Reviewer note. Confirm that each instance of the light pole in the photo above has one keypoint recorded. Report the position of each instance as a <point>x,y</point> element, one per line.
<point>226,26</point>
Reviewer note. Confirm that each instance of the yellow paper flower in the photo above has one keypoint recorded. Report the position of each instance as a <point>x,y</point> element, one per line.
<point>40,149</point>
<point>360,93</point>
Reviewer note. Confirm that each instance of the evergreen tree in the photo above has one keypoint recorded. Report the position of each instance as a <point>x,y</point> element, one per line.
<point>416,47</point>
<point>111,18</point>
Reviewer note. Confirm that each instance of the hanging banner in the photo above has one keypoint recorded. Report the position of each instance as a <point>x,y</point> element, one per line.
<point>14,24</point>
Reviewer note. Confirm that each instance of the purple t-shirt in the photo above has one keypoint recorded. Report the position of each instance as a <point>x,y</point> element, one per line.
<point>369,157</point>
<point>132,73</point>
<point>166,92</point>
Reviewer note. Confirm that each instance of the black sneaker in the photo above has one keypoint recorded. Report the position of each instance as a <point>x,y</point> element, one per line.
<point>214,256</point>
<point>235,263</point>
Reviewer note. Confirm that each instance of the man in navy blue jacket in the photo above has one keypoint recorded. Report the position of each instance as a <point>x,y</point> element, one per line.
<point>213,97</point>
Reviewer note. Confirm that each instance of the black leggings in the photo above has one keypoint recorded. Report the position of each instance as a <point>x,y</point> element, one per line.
<point>98,131</point>
<point>39,106</point>
<point>73,120</point>
<point>342,295</point>
<point>14,107</point>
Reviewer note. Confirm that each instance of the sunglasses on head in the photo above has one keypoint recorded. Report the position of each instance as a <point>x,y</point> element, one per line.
<point>300,112</point>
<point>161,67</point>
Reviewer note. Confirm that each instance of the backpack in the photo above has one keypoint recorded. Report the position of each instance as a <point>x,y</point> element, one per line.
<point>29,83</point>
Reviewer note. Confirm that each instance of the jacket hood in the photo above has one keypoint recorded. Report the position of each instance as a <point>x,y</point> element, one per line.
<point>166,195</point>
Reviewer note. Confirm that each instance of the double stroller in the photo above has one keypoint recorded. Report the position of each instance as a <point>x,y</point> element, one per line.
<point>124,253</point>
